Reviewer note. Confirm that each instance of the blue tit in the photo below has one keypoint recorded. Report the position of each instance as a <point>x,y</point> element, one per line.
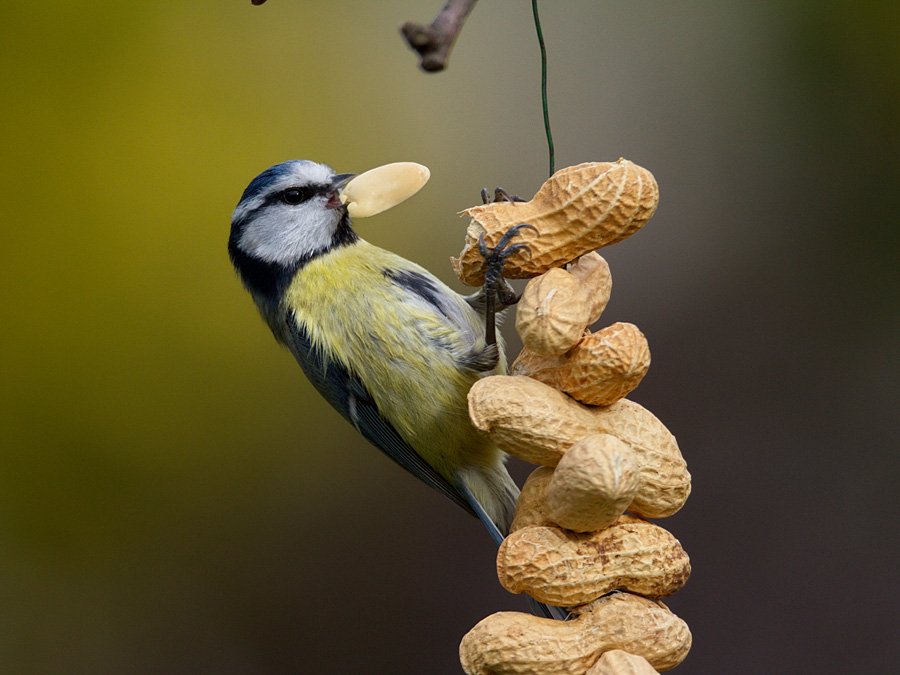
<point>392,348</point>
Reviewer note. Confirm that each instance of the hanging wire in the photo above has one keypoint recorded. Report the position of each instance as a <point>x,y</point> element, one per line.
<point>540,36</point>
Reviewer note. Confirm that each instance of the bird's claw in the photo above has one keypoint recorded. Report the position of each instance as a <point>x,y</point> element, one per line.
<point>503,250</point>
<point>495,287</point>
<point>496,259</point>
<point>500,195</point>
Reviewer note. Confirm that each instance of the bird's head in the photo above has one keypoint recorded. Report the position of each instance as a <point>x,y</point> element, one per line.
<point>289,213</point>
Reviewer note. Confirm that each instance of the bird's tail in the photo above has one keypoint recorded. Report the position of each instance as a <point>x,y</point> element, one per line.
<point>492,494</point>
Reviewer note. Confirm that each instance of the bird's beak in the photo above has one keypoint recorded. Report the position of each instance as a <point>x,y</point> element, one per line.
<point>338,181</point>
<point>341,179</point>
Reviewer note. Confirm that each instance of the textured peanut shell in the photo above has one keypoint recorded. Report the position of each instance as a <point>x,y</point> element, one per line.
<point>593,484</point>
<point>513,643</point>
<point>592,271</point>
<point>665,481</point>
<point>537,423</point>
<point>528,419</point>
<point>577,210</point>
<point>618,662</point>
<point>565,568</point>
<point>553,312</point>
<point>530,507</point>
<point>601,369</point>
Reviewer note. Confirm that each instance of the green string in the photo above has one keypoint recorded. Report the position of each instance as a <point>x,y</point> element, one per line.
<point>540,36</point>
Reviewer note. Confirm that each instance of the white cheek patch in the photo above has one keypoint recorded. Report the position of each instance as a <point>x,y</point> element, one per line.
<point>245,207</point>
<point>284,234</point>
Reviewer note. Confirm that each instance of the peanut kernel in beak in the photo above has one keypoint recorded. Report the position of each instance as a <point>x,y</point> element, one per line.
<point>384,187</point>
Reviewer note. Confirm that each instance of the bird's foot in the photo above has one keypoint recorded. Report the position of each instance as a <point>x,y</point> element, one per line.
<point>500,195</point>
<point>494,285</point>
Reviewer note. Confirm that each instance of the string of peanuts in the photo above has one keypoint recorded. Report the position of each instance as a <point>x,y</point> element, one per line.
<point>562,407</point>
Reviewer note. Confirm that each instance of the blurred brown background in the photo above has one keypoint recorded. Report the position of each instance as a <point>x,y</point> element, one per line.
<point>174,497</point>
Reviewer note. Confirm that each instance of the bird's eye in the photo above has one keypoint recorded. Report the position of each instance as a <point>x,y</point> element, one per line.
<point>296,195</point>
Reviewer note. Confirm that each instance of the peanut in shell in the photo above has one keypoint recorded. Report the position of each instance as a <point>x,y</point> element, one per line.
<point>553,312</point>
<point>566,568</point>
<point>578,209</point>
<point>528,419</point>
<point>513,643</point>
<point>665,481</point>
<point>531,507</point>
<point>592,271</point>
<point>601,369</point>
<point>538,423</point>
<point>593,484</point>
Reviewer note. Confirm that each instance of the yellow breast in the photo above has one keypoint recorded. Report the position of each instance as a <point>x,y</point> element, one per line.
<point>403,350</point>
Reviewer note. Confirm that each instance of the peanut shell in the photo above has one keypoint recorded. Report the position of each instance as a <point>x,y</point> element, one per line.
<point>617,662</point>
<point>528,419</point>
<point>665,481</point>
<point>537,423</point>
<point>513,643</point>
<point>531,505</point>
<point>553,312</point>
<point>601,369</point>
<point>593,484</point>
<point>592,271</point>
<point>565,568</point>
<point>578,209</point>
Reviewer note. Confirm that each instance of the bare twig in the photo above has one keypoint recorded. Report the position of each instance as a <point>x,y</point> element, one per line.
<point>434,42</point>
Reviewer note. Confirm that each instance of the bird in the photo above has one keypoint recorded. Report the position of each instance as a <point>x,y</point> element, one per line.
<point>387,344</point>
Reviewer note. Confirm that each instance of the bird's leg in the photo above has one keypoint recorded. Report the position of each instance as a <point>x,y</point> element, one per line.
<point>505,293</point>
<point>495,287</point>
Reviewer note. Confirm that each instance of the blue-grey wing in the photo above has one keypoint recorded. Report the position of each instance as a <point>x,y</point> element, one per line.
<point>348,396</point>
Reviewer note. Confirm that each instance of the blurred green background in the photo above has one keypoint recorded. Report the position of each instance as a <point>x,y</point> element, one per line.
<point>174,497</point>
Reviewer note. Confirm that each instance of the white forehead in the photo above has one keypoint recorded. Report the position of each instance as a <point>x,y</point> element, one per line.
<point>303,172</point>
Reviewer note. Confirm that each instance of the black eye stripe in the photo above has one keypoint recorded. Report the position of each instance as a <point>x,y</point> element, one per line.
<point>297,194</point>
